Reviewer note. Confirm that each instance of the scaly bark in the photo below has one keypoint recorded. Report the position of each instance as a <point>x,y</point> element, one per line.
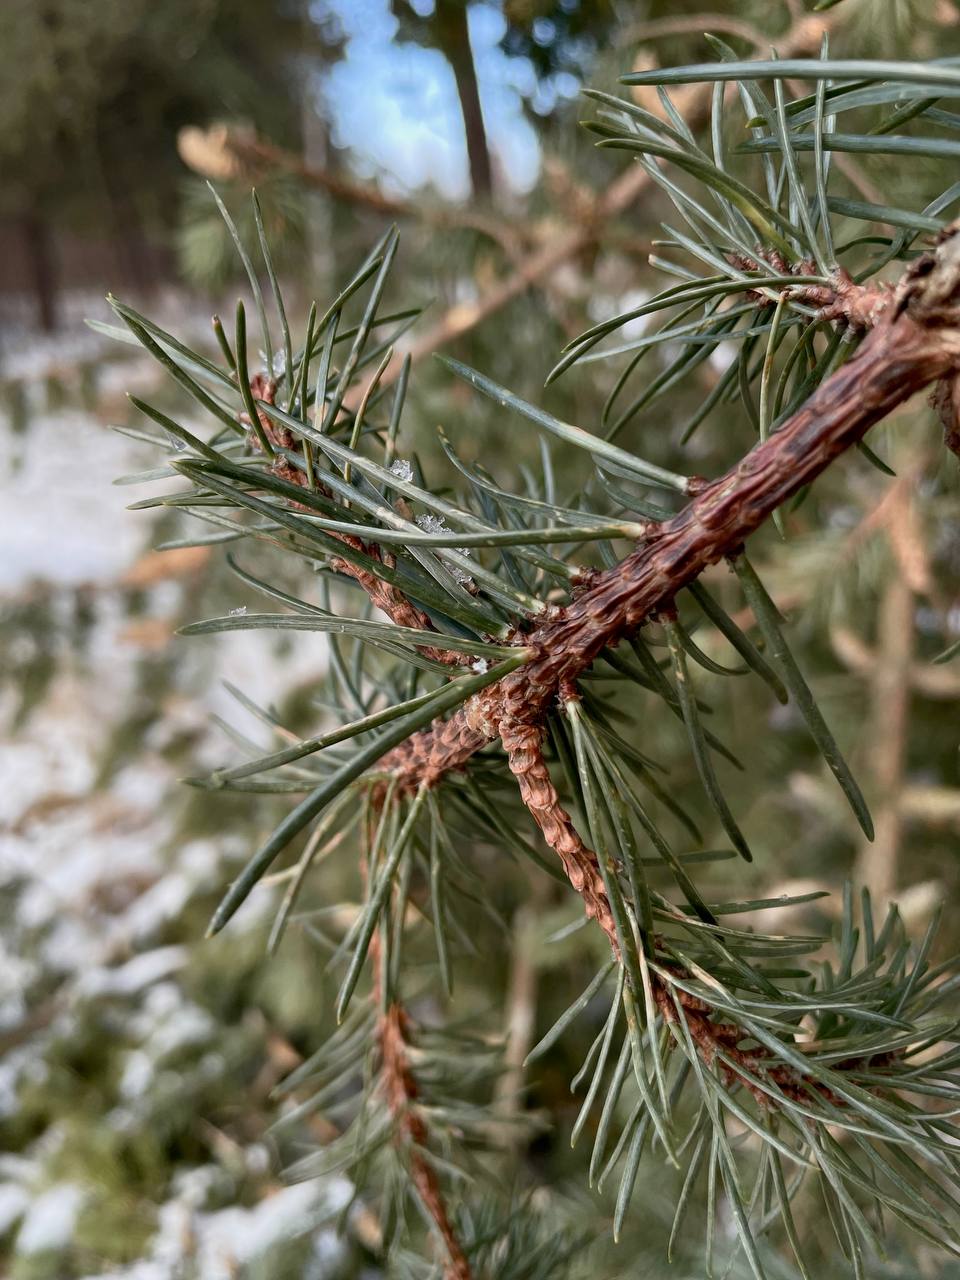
<point>401,1092</point>
<point>915,341</point>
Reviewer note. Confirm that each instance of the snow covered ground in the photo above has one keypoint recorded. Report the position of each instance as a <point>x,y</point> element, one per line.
<point>101,708</point>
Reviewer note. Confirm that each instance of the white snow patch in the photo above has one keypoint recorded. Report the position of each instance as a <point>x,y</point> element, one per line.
<point>13,1205</point>
<point>138,1271</point>
<point>19,1167</point>
<point>432,524</point>
<point>192,1187</point>
<point>54,490</point>
<point>140,972</point>
<point>436,524</point>
<point>137,1074</point>
<point>162,902</point>
<point>167,1022</point>
<point>222,1245</point>
<point>14,1064</point>
<point>236,1237</point>
<point>50,1220</point>
<point>16,975</point>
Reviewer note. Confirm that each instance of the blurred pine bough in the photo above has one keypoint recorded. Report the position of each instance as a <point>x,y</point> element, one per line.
<point>527,630</point>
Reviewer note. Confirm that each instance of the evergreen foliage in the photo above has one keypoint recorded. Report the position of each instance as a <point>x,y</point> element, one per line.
<point>529,629</point>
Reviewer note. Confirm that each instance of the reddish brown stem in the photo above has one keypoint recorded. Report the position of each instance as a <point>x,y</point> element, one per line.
<point>525,758</point>
<point>751,1068</point>
<point>383,595</point>
<point>916,341</point>
<point>400,1090</point>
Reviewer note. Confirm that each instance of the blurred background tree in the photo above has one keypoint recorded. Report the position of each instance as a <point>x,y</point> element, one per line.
<point>90,109</point>
<point>135,1104</point>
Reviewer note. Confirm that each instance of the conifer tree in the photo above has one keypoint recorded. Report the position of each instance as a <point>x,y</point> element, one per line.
<point>494,648</point>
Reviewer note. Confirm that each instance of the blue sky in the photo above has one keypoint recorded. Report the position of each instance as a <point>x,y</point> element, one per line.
<point>395,105</point>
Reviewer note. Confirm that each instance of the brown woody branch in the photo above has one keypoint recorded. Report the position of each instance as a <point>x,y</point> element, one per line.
<point>915,340</point>
<point>525,758</point>
<point>401,1092</point>
<point>256,153</point>
<point>946,401</point>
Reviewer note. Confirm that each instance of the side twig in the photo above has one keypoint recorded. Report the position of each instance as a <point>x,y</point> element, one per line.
<point>383,595</point>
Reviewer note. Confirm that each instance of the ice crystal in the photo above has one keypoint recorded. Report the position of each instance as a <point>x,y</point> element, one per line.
<point>435,524</point>
<point>278,366</point>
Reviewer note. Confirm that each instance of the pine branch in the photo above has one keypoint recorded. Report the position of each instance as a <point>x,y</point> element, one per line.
<point>915,341</point>
<point>789,1057</point>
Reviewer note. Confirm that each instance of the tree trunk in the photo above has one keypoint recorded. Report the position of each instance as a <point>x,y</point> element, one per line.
<point>40,264</point>
<point>454,40</point>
